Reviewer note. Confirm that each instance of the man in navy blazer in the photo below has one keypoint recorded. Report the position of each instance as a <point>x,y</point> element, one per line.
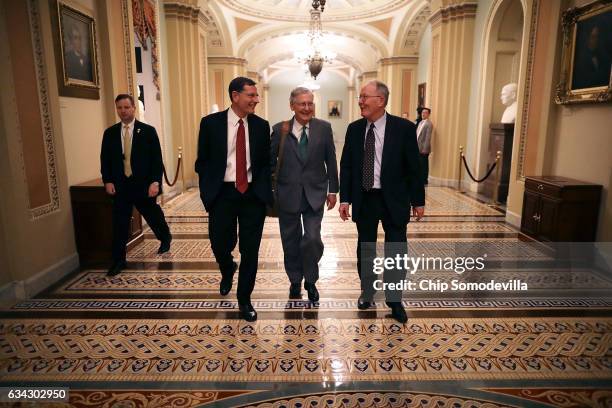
<point>233,164</point>
<point>380,178</point>
<point>131,166</point>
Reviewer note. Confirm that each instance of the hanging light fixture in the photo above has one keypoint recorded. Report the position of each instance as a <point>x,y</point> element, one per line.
<point>317,3</point>
<point>314,57</point>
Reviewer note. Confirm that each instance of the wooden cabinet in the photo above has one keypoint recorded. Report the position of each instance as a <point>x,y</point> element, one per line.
<point>92,213</point>
<point>560,209</point>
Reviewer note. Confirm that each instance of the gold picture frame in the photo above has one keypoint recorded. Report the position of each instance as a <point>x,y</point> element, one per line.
<point>74,37</point>
<point>587,52</point>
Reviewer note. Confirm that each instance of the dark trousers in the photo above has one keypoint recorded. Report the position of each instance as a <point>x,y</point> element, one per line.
<point>424,162</point>
<point>302,248</point>
<point>230,210</point>
<point>129,195</point>
<point>374,211</point>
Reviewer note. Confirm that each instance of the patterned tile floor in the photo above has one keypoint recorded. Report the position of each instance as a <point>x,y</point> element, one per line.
<point>159,334</point>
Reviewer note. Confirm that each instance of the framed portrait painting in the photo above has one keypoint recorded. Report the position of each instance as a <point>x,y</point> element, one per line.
<point>587,54</point>
<point>421,97</point>
<point>74,36</point>
<point>334,109</point>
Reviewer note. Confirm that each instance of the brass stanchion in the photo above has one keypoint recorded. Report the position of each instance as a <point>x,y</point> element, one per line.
<point>460,158</point>
<point>496,185</point>
<point>180,155</point>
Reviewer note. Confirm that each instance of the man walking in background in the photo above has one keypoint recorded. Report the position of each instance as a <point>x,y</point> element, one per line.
<point>131,166</point>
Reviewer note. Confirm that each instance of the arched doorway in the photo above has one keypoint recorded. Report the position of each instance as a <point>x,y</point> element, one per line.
<point>333,88</point>
<point>501,62</point>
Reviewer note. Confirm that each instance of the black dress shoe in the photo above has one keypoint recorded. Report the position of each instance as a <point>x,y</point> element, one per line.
<point>165,245</point>
<point>116,268</point>
<point>226,280</point>
<point>247,312</point>
<point>313,293</point>
<point>398,312</point>
<point>363,304</point>
<point>365,301</point>
<point>295,291</point>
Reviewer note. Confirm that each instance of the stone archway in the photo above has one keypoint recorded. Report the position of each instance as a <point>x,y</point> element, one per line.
<point>501,62</point>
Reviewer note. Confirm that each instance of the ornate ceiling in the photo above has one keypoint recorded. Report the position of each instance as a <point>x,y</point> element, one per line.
<point>267,32</point>
<point>293,10</point>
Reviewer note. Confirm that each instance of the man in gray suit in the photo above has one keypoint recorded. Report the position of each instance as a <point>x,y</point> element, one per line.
<point>307,180</point>
<point>424,129</point>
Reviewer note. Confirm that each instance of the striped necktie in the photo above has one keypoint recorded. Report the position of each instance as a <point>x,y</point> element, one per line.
<point>303,147</point>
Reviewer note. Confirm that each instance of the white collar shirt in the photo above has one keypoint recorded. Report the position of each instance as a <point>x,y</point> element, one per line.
<point>379,137</point>
<point>232,132</point>
<point>297,129</point>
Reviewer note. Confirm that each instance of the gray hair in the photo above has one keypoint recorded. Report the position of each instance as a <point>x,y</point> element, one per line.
<point>296,92</point>
<point>381,88</point>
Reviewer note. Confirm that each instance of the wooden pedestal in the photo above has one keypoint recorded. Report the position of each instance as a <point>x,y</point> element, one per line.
<point>500,139</point>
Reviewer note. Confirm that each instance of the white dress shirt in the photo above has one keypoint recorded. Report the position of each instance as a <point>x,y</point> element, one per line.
<point>420,127</point>
<point>379,141</point>
<point>297,130</point>
<point>232,132</point>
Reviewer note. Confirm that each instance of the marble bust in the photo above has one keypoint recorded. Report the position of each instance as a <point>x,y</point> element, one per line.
<point>508,98</point>
<point>141,108</point>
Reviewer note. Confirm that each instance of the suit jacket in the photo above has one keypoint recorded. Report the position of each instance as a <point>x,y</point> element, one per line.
<point>78,66</point>
<point>145,159</point>
<point>424,137</point>
<point>212,157</point>
<point>317,175</point>
<point>400,180</point>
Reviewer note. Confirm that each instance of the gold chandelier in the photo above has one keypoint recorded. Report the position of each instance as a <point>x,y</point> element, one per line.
<point>314,57</point>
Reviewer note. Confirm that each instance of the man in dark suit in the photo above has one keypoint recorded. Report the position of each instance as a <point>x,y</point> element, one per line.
<point>78,64</point>
<point>234,168</point>
<point>380,177</point>
<point>307,179</point>
<point>131,165</point>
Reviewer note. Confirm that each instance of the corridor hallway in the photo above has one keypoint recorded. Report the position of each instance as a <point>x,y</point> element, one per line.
<point>160,335</point>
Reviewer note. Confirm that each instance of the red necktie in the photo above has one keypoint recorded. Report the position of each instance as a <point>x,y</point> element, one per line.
<point>242,182</point>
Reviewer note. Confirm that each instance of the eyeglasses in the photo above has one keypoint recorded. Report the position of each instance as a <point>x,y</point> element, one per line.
<point>304,104</point>
<point>363,97</point>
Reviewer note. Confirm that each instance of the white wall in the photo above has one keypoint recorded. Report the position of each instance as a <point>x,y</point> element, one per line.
<point>83,123</point>
<point>424,57</point>
<point>333,87</point>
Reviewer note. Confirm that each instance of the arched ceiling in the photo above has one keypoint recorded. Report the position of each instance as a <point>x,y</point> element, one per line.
<point>292,10</point>
<point>266,33</point>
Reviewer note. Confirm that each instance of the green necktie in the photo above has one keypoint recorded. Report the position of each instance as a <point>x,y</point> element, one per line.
<point>303,144</point>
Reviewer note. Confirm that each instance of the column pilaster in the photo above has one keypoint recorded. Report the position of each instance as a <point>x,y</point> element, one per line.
<point>449,92</point>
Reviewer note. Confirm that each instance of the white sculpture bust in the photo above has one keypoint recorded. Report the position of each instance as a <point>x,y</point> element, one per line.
<point>508,98</point>
<point>214,108</point>
<point>141,108</point>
